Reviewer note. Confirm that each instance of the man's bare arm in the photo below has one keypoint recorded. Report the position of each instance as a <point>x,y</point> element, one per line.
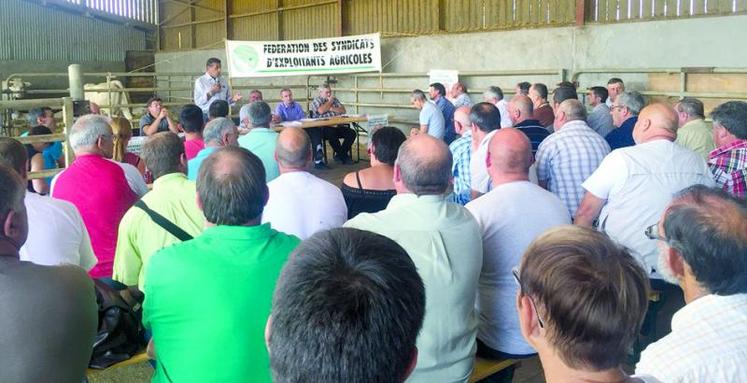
<point>588,210</point>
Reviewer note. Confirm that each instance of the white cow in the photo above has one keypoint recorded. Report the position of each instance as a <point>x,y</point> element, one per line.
<point>97,93</point>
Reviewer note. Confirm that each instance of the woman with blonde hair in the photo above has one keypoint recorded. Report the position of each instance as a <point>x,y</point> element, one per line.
<point>122,131</point>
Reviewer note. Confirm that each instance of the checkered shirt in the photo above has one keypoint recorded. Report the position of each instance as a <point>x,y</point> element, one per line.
<point>566,158</point>
<point>317,102</point>
<point>729,167</point>
<point>461,151</point>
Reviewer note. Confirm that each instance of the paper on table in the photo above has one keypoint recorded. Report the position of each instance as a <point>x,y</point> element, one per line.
<point>291,123</point>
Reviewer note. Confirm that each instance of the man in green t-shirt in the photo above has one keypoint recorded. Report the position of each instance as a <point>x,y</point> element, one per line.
<point>207,299</point>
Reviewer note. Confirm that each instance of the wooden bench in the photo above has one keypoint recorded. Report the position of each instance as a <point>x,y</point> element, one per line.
<point>487,367</point>
<point>137,358</point>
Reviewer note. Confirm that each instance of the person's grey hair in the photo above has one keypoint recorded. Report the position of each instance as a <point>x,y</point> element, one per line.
<point>216,128</point>
<point>260,114</point>
<point>418,95</point>
<point>692,106</point>
<point>494,92</point>
<point>631,100</point>
<point>243,113</point>
<point>294,157</point>
<point>324,85</point>
<point>425,173</point>
<point>12,191</point>
<point>87,130</point>
<point>574,110</point>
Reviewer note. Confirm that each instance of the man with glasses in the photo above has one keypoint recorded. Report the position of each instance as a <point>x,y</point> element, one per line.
<point>510,216</point>
<point>624,111</point>
<point>631,187</point>
<point>100,188</point>
<point>581,302</point>
<point>703,240</point>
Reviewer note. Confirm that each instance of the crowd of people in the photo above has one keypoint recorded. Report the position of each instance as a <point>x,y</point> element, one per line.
<point>504,229</point>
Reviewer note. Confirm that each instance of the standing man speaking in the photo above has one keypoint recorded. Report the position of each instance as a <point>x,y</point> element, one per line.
<point>212,86</point>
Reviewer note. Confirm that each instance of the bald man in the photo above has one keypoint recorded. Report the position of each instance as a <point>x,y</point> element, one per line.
<point>510,216</point>
<point>461,152</point>
<point>521,112</point>
<point>631,187</point>
<point>301,203</point>
<point>443,240</point>
<point>569,155</point>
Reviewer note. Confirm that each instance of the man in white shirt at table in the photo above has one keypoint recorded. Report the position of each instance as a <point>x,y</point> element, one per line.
<point>212,86</point>
<point>702,237</point>
<point>301,203</point>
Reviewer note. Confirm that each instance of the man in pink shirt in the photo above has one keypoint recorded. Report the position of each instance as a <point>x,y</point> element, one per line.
<point>192,122</point>
<point>100,188</point>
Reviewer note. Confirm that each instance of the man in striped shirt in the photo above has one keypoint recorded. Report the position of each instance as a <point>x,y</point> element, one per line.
<point>702,238</point>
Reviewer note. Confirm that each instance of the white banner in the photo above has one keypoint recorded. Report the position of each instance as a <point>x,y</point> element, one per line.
<point>348,54</point>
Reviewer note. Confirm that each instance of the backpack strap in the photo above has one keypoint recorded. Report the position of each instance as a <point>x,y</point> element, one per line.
<point>162,221</point>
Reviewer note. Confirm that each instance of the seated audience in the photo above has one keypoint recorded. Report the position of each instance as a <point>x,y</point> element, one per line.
<point>219,108</point>
<point>510,216</point>
<point>541,108</point>
<point>53,154</point>
<point>56,233</point>
<point>599,119</point>
<point>494,95</point>
<point>437,93</point>
<point>460,96</point>
<point>326,105</point>
<point>570,155</point>
<point>157,119</point>
<point>173,197</point>
<point>615,87</point>
<point>261,140</point>
<point>48,313</point>
<point>522,88</point>
<point>443,240</point>
<point>301,203</point>
<point>431,119</point>
<point>370,190</point>
<point>207,300</point>
<point>521,112</point>
<point>632,186</point>
<point>100,188</point>
<point>288,109</point>
<point>485,121</point>
<point>192,122</point>
<point>122,130</point>
<point>728,162</point>
<point>218,133</point>
<point>370,286</point>
<point>581,303</point>
<point>624,111</point>
<point>37,163</point>
<point>461,152</point>
<point>703,242</point>
<point>693,132</point>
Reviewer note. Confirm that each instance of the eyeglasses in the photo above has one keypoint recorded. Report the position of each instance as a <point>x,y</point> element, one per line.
<point>652,232</point>
<point>515,273</point>
<point>617,107</point>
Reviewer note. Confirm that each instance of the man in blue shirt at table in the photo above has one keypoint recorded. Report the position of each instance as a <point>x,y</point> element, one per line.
<point>288,109</point>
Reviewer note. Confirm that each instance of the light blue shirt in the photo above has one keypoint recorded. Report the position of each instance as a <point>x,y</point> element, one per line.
<point>262,142</point>
<point>193,166</point>
<point>443,240</point>
<point>432,117</point>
